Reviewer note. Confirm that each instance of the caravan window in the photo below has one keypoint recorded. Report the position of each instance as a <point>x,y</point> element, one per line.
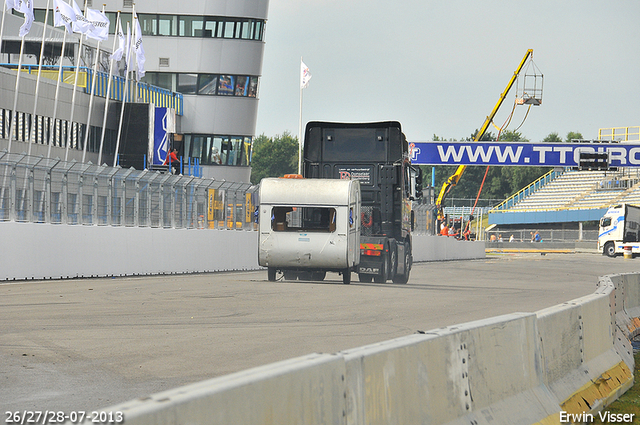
<point>303,219</point>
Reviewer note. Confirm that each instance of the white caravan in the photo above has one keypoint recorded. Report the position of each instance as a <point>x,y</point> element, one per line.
<point>619,228</point>
<point>309,226</point>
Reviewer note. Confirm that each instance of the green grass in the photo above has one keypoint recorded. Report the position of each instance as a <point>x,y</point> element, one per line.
<point>630,401</point>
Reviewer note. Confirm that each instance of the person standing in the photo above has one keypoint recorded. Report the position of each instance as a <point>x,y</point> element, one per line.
<point>173,161</point>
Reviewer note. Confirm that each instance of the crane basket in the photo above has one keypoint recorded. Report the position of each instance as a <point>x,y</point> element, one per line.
<point>529,86</point>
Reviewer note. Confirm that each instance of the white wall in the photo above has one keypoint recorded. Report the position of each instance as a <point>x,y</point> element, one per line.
<point>43,251</point>
<point>53,251</point>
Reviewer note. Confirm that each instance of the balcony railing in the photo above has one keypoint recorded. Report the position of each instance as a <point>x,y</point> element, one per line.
<point>146,93</point>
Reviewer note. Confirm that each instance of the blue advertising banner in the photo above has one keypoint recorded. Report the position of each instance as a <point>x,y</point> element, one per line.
<point>161,135</point>
<point>520,154</point>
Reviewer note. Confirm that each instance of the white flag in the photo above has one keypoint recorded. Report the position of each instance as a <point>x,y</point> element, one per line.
<point>140,59</point>
<point>117,55</point>
<point>63,14</point>
<point>305,75</point>
<point>26,7</point>
<point>100,24</point>
<point>10,4</point>
<point>81,24</point>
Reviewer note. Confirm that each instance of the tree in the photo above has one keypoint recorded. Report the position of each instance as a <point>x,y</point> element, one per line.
<point>552,138</point>
<point>572,135</point>
<point>274,157</point>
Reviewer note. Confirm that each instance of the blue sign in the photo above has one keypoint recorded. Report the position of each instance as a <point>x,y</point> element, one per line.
<point>160,135</point>
<point>521,154</point>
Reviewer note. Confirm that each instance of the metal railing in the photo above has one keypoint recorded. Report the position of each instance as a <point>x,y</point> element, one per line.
<point>529,190</point>
<point>547,235</point>
<point>619,134</point>
<point>44,190</point>
<point>144,92</point>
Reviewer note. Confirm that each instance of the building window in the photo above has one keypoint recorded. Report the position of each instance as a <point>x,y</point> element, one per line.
<point>207,83</point>
<point>226,85</point>
<point>167,25</point>
<point>187,83</point>
<point>148,23</point>
<point>229,29</point>
<point>253,87</point>
<point>183,26</point>
<point>190,26</point>
<point>218,149</point>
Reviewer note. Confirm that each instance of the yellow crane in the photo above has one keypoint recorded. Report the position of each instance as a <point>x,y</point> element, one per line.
<point>526,99</point>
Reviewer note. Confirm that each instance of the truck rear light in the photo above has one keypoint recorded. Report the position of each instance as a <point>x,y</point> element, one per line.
<point>370,252</point>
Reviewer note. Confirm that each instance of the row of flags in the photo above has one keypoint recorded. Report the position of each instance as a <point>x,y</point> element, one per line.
<point>26,8</point>
<point>124,44</point>
<point>94,24</point>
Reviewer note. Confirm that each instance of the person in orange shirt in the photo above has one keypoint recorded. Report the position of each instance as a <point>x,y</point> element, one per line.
<point>173,161</point>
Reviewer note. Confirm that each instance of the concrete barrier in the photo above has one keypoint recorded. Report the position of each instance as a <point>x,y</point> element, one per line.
<point>54,251</point>
<point>442,248</point>
<point>627,301</point>
<point>457,375</point>
<point>305,390</point>
<point>50,251</point>
<point>560,364</point>
<point>583,366</point>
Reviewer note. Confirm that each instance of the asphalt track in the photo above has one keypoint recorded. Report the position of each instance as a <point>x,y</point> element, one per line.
<point>85,344</point>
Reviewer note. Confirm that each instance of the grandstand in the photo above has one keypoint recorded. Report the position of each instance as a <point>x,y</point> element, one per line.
<point>579,189</point>
<point>571,196</point>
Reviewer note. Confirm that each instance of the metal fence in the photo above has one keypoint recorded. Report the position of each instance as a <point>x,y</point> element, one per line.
<point>45,190</point>
<point>547,235</point>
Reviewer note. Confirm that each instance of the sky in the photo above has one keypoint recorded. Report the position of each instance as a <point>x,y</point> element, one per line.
<point>439,68</point>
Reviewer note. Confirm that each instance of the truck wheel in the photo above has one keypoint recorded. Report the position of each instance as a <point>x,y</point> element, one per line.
<point>393,264</point>
<point>609,249</point>
<point>306,276</point>
<point>404,278</point>
<point>384,272</point>
<point>318,276</point>
<point>346,276</point>
<point>271,274</point>
<point>290,275</point>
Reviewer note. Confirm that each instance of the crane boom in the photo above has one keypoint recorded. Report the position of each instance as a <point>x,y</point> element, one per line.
<point>455,177</point>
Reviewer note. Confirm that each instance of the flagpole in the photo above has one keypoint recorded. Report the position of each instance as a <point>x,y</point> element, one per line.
<point>91,96</point>
<point>300,125</point>
<point>73,99</point>
<point>55,102</point>
<point>106,102</point>
<point>134,30</point>
<point>14,114</point>
<point>4,12</point>
<point>126,95</point>
<point>75,86</point>
<point>300,136</point>
<point>32,134</point>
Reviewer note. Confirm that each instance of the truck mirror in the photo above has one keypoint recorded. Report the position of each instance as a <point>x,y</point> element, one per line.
<point>418,176</point>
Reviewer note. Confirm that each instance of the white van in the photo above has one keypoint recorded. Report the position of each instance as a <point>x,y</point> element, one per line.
<point>619,228</point>
<point>310,226</point>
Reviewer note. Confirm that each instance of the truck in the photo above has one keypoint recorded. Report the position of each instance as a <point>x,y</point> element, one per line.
<point>619,229</point>
<point>308,227</point>
<point>377,156</point>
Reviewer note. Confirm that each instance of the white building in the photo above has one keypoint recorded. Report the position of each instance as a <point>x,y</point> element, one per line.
<point>210,51</point>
